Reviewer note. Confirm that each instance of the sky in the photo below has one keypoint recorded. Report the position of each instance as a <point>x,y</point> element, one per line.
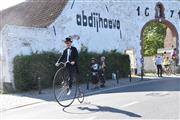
<point>9,3</point>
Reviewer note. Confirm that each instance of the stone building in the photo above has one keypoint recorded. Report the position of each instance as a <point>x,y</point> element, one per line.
<point>41,25</point>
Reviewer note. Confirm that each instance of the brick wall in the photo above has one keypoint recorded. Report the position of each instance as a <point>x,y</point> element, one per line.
<point>170,40</point>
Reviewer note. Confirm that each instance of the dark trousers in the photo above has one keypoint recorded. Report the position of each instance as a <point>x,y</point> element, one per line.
<point>95,78</point>
<point>159,70</point>
<point>102,79</point>
<point>72,74</point>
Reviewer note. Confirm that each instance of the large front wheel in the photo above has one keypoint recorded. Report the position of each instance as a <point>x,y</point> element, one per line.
<point>80,95</point>
<point>61,88</point>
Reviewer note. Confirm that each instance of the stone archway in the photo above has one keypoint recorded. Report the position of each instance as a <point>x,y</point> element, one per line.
<point>169,25</point>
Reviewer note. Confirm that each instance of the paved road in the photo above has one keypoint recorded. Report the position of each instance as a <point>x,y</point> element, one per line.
<point>156,99</point>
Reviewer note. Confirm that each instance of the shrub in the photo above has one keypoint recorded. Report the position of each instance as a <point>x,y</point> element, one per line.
<point>28,68</point>
<point>116,62</point>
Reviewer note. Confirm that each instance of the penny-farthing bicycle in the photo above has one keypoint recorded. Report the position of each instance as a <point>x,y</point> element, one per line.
<point>61,86</point>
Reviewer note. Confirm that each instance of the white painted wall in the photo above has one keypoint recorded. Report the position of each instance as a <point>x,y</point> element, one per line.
<point>1,63</point>
<point>125,11</point>
<point>4,58</point>
<point>149,64</point>
<point>24,40</point>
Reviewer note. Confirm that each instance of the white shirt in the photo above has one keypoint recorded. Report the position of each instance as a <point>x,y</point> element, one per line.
<point>68,54</point>
<point>159,60</point>
<point>95,66</point>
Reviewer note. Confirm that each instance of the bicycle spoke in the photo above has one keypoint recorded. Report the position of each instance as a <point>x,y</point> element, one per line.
<point>60,94</point>
<point>60,86</point>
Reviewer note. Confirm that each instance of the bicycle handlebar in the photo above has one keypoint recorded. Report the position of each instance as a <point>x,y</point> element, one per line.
<point>61,63</point>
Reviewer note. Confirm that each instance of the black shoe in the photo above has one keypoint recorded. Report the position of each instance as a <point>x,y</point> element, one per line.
<point>102,86</point>
<point>96,87</point>
<point>68,91</point>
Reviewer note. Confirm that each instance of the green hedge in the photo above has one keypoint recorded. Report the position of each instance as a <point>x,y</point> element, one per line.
<point>116,62</point>
<point>28,68</point>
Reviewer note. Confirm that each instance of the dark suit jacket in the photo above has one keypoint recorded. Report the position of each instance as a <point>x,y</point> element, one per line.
<point>73,56</point>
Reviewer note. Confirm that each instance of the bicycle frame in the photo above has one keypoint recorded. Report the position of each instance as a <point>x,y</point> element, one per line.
<point>65,85</point>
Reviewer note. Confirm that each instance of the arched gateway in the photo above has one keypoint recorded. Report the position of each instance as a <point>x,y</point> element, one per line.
<point>171,40</point>
<point>169,43</point>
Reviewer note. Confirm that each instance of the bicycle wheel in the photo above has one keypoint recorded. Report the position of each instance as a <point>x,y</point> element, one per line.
<point>168,70</point>
<point>80,96</point>
<point>60,88</point>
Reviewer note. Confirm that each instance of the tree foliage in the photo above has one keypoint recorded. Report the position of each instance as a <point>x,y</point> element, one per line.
<point>154,35</point>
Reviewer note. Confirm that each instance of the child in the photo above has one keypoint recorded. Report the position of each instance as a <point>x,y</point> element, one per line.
<point>102,68</point>
<point>94,67</point>
<point>166,62</point>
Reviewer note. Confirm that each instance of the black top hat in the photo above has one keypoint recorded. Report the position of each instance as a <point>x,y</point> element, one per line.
<point>68,40</point>
<point>93,58</point>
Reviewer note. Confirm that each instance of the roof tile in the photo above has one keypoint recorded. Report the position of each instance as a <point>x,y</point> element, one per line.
<point>32,13</point>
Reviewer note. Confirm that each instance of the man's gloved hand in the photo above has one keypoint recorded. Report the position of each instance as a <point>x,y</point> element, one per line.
<point>72,63</point>
<point>57,64</point>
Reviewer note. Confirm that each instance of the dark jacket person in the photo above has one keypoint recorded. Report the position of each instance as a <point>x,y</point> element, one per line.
<point>70,57</point>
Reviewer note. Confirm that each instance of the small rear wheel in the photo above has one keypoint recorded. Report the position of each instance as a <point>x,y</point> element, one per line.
<point>80,96</point>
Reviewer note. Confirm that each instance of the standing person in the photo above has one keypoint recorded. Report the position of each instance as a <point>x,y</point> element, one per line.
<point>174,59</point>
<point>94,67</point>
<point>166,62</point>
<point>70,57</point>
<point>158,62</point>
<point>174,55</point>
<point>102,68</point>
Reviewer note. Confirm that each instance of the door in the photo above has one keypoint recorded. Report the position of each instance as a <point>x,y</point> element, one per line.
<point>132,58</point>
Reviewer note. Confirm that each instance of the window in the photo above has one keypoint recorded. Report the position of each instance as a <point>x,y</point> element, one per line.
<point>159,10</point>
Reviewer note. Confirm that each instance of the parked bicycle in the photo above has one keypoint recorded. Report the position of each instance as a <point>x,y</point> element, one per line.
<point>168,70</point>
<point>61,86</point>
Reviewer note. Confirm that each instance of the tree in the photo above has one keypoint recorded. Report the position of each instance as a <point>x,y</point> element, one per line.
<point>154,35</point>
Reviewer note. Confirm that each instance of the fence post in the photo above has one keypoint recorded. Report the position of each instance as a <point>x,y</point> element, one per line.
<point>117,76</point>
<point>87,81</point>
<point>39,85</point>
<point>130,78</point>
<point>142,68</point>
<point>114,77</point>
<point>142,73</point>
